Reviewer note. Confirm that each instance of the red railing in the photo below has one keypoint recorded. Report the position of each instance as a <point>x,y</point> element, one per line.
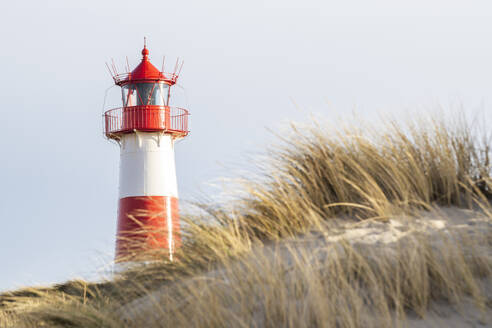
<point>172,120</point>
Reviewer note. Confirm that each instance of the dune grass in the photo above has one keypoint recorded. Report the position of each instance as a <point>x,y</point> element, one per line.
<point>265,259</point>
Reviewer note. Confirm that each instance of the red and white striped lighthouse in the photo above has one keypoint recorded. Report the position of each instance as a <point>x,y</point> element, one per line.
<point>146,129</point>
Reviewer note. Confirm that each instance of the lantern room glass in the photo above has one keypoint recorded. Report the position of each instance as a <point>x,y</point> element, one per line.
<point>145,94</point>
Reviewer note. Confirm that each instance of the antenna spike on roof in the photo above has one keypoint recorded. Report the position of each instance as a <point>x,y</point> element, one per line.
<point>176,66</point>
<point>109,70</point>
<point>163,62</point>
<point>114,67</point>
<point>127,65</point>
<point>145,42</point>
<point>181,67</point>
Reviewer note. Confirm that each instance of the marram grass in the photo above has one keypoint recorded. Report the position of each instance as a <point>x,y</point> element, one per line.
<point>267,260</point>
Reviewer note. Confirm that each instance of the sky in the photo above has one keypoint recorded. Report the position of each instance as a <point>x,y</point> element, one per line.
<point>250,68</point>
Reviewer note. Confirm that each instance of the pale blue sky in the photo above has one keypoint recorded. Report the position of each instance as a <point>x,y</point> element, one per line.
<point>249,66</point>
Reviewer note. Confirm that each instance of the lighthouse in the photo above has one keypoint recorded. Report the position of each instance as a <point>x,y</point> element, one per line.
<point>146,129</point>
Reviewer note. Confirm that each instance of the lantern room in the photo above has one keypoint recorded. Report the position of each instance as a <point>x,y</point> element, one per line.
<point>145,100</point>
<point>145,94</point>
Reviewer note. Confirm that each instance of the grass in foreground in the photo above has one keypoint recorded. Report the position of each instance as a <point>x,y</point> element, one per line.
<point>255,261</point>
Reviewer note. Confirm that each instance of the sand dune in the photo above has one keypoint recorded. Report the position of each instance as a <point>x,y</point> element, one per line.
<point>374,238</point>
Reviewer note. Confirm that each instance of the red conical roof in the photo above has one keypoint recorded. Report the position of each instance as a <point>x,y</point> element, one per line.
<point>145,71</point>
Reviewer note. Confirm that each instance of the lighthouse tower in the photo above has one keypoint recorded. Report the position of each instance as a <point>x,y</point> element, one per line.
<point>146,128</point>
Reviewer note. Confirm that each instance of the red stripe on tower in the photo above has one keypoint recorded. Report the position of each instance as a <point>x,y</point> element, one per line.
<point>146,223</point>
<point>146,128</point>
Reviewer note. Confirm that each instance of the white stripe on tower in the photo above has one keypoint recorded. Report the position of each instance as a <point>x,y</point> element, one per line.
<point>147,166</point>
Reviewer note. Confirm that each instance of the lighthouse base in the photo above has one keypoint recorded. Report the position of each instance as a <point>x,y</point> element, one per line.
<point>147,226</point>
